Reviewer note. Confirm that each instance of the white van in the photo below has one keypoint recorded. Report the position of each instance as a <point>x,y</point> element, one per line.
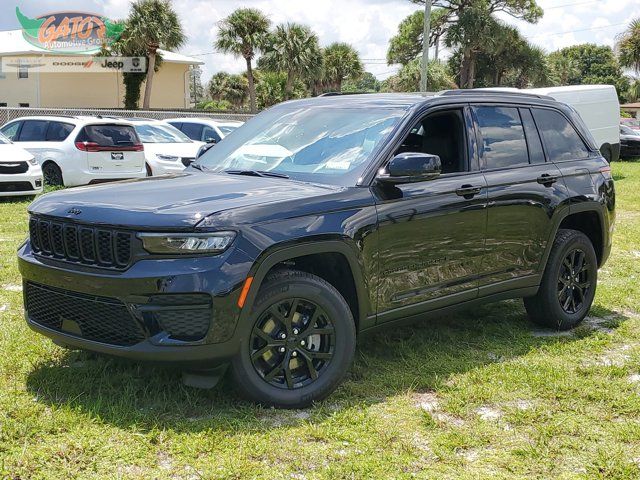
<point>598,106</point>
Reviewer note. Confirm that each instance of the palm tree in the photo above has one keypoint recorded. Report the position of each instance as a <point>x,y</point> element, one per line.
<point>229,88</point>
<point>243,34</point>
<point>152,25</point>
<point>341,62</point>
<point>295,50</point>
<point>629,46</point>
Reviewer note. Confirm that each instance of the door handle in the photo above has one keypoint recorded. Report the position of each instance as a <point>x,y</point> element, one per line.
<point>547,180</point>
<point>468,191</point>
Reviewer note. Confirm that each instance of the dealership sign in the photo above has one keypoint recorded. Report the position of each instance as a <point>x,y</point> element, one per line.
<point>69,32</point>
<point>73,64</point>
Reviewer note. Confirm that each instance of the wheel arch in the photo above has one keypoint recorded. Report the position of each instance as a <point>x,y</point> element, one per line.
<point>353,287</point>
<point>48,161</point>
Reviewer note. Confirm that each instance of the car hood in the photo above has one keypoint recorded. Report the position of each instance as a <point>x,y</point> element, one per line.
<point>177,201</point>
<point>10,152</point>
<point>188,150</point>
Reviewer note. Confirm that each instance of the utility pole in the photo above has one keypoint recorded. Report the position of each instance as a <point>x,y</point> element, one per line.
<point>425,46</point>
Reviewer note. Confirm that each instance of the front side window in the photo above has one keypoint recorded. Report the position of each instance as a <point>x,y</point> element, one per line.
<point>34,131</point>
<point>4,140</point>
<point>561,140</point>
<point>316,144</point>
<point>210,135</point>
<point>11,130</point>
<point>161,134</point>
<point>502,142</point>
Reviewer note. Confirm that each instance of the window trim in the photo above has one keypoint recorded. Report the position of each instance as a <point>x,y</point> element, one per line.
<point>535,126</point>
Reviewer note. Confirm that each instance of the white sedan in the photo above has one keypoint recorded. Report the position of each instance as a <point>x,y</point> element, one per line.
<point>20,173</point>
<point>166,149</point>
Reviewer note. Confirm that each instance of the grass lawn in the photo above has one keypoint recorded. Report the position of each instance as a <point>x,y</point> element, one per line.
<point>481,394</point>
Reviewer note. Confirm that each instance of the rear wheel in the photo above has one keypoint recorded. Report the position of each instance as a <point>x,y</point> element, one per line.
<point>149,172</point>
<point>568,284</point>
<point>300,342</point>
<point>52,174</point>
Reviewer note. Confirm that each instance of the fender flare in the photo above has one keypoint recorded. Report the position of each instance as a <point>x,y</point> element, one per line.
<point>276,255</point>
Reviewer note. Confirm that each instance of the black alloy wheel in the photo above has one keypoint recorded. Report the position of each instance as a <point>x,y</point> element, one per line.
<point>573,281</point>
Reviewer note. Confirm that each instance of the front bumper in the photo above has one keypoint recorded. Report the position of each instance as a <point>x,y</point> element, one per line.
<point>136,297</point>
<point>21,184</point>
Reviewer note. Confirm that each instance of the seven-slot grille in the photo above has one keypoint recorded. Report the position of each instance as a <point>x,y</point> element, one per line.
<point>71,242</point>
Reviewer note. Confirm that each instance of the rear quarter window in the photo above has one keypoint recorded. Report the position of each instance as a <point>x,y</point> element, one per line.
<point>561,140</point>
<point>109,135</point>
<point>59,131</point>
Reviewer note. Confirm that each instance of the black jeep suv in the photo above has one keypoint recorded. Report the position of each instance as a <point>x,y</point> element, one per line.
<point>321,219</point>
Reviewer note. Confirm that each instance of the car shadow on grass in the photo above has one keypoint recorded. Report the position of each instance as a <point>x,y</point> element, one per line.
<point>420,357</point>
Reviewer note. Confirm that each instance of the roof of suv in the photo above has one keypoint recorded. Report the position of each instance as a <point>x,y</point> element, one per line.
<point>76,119</point>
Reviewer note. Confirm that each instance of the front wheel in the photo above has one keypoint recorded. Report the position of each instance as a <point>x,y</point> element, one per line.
<point>568,284</point>
<point>52,174</point>
<point>299,343</point>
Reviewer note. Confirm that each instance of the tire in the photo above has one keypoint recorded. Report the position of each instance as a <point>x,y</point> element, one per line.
<point>568,284</point>
<point>52,174</point>
<point>321,338</point>
<point>149,172</point>
<point>607,153</point>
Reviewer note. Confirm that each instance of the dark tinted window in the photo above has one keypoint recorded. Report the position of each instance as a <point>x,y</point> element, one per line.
<point>108,135</point>
<point>11,130</point>
<point>178,125</point>
<point>58,131</point>
<point>33,131</point>
<point>561,140</point>
<point>209,134</point>
<point>536,154</point>
<point>192,130</point>
<point>503,142</point>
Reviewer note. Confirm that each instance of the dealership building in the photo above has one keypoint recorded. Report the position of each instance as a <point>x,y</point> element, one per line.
<point>28,87</point>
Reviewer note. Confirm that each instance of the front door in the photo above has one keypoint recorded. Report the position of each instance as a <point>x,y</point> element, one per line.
<point>431,233</point>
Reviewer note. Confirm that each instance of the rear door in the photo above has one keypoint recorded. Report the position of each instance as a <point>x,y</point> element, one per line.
<point>192,130</point>
<point>111,148</point>
<point>32,137</point>
<point>523,192</point>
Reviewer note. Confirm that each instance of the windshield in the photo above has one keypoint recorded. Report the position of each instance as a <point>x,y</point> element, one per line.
<point>314,144</point>
<point>160,134</point>
<point>227,129</point>
<point>4,139</point>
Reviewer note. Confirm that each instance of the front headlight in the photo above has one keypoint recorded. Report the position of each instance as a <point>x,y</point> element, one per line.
<point>167,158</point>
<point>187,243</point>
<point>33,161</point>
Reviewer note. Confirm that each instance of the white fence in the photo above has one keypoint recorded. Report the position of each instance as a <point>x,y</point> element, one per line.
<point>10,113</point>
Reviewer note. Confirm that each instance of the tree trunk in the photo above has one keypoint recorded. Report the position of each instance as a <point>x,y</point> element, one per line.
<point>472,71</point>
<point>288,86</point>
<point>252,86</point>
<point>437,45</point>
<point>150,71</point>
<point>464,67</point>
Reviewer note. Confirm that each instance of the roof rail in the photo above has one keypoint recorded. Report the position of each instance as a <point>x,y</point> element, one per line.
<point>487,91</point>
<point>336,94</point>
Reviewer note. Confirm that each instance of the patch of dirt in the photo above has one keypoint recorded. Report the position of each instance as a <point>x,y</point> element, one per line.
<point>489,413</point>
<point>3,308</point>
<point>547,332</point>
<point>635,378</point>
<point>428,401</point>
<point>616,356</point>
<point>281,418</point>
<point>12,288</point>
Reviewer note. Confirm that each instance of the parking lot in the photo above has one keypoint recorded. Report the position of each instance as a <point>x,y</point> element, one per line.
<point>481,394</point>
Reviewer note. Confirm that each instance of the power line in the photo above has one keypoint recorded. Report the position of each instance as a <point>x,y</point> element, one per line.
<point>570,5</point>
<point>576,31</point>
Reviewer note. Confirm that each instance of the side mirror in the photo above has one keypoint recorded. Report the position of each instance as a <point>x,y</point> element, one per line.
<point>203,149</point>
<point>211,140</point>
<point>411,167</point>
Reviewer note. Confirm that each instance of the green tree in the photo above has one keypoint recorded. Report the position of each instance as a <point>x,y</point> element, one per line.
<point>629,46</point>
<point>367,83</point>
<point>153,25</point>
<point>295,50</point>
<point>593,64</point>
<point>271,88</point>
<point>225,87</point>
<point>470,23</point>
<point>407,43</point>
<point>243,34</point>
<point>341,62</point>
<point>562,69</point>
<point>408,78</point>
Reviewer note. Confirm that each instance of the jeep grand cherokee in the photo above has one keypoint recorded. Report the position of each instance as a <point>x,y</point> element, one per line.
<point>318,220</point>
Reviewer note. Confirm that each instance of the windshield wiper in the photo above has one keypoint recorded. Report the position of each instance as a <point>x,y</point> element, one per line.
<point>197,166</point>
<point>256,173</point>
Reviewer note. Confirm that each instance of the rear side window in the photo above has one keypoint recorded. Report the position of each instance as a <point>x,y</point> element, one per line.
<point>58,131</point>
<point>178,125</point>
<point>536,153</point>
<point>11,131</point>
<point>192,130</point>
<point>561,140</point>
<point>109,135</point>
<point>502,142</point>
<point>33,131</point>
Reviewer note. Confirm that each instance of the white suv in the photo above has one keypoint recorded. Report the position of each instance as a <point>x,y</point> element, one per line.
<point>80,150</point>
<point>204,129</point>
<point>20,173</point>
<point>166,148</point>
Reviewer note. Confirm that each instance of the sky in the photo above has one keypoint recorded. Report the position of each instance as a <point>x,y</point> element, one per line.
<point>366,24</point>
